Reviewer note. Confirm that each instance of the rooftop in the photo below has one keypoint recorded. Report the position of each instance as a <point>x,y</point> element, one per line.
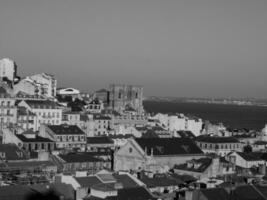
<point>99,140</point>
<point>210,139</point>
<point>199,165</point>
<point>35,139</point>
<point>65,129</point>
<point>41,104</point>
<point>168,146</point>
<point>78,158</point>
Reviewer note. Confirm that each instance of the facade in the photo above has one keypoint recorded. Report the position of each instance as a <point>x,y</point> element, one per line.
<point>33,142</point>
<point>205,168</point>
<point>85,185</point>
<point>48,112</point>
<point>103,96</point>
<point>82,162</point>
<point>26,119</point>
<point>48,83</point>
<point>94,106</point>
<point>99,143</point>
<point>29,141</point>
<point>218,145</point>
<point>179,122</point>
<point>245,160</point>
<point>122,96</point>
<point>155,154</point>
<point>129,119</point>
<point>65,136</point>
<point>28,86</point>
<point>8,69</point>
<point>102,124</point>
<point>8,110</point>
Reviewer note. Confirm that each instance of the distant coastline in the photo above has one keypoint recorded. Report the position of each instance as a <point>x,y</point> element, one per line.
<point>222,101</point>
<point>233,116</point>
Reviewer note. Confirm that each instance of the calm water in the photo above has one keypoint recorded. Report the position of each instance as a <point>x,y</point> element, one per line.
<point>251,117</point>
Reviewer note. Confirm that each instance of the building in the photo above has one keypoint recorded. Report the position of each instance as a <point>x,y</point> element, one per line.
<point>29,141</point>
<point>218,145</point>
<point>99,143</point>
<point>88,187</point>
<point>102,124</point>
<point>205,168</point>
<point>122,96</point>
<point>48,112</point>
<point>103,96</point>
<point>29,87</point>
<point>179,122</point>
<point>94,106</point>
<point>129,120</point>
<point>73,162</point>
<point>8,70</point>
<point>48,82</point>
<point>155,154</point>
<point>26,119</point>
<point>8,110</point>
<point>245,160</point>
<point>65,136</point>
<point>63,92</point>
<point>162,186</point>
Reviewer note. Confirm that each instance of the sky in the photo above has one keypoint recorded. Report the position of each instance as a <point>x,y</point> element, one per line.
<point>182,48</point>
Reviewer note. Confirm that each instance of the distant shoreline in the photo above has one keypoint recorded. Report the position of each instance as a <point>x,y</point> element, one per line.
<point>207,101</point>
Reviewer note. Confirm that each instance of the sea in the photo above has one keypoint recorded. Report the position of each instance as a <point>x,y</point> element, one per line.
<point>232,116</point>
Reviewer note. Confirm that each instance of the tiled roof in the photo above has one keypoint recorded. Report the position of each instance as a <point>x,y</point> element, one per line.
<point>36,139</point>
<point>168,146</point>
<point>65,129</point>
<point>203,164</point>
<point>248,192</point>
<point>250,156</point>
<point>186,134</point>
<point>42,104</point>
<point>162,181</point>
<point>78,158</point>
<point>209,139</point>
<point>99,140</point>
<point>138,193</point>
<point>125,180</point>
<point>88,181</point>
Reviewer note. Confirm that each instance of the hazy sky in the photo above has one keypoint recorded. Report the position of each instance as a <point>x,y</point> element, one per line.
<point>172,47</point>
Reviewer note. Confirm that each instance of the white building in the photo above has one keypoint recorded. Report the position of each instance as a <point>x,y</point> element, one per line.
<point>245,160</point>
<point>8,69</point>
<point>8,110</point>
<point>48,82</point>
<point>48,112</point>
<point>180,122</point>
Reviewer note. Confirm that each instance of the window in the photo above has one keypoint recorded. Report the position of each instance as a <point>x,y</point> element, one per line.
<point>130,150</point>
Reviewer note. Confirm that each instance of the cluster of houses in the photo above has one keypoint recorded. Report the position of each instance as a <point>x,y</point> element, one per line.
<point>103,145</point>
